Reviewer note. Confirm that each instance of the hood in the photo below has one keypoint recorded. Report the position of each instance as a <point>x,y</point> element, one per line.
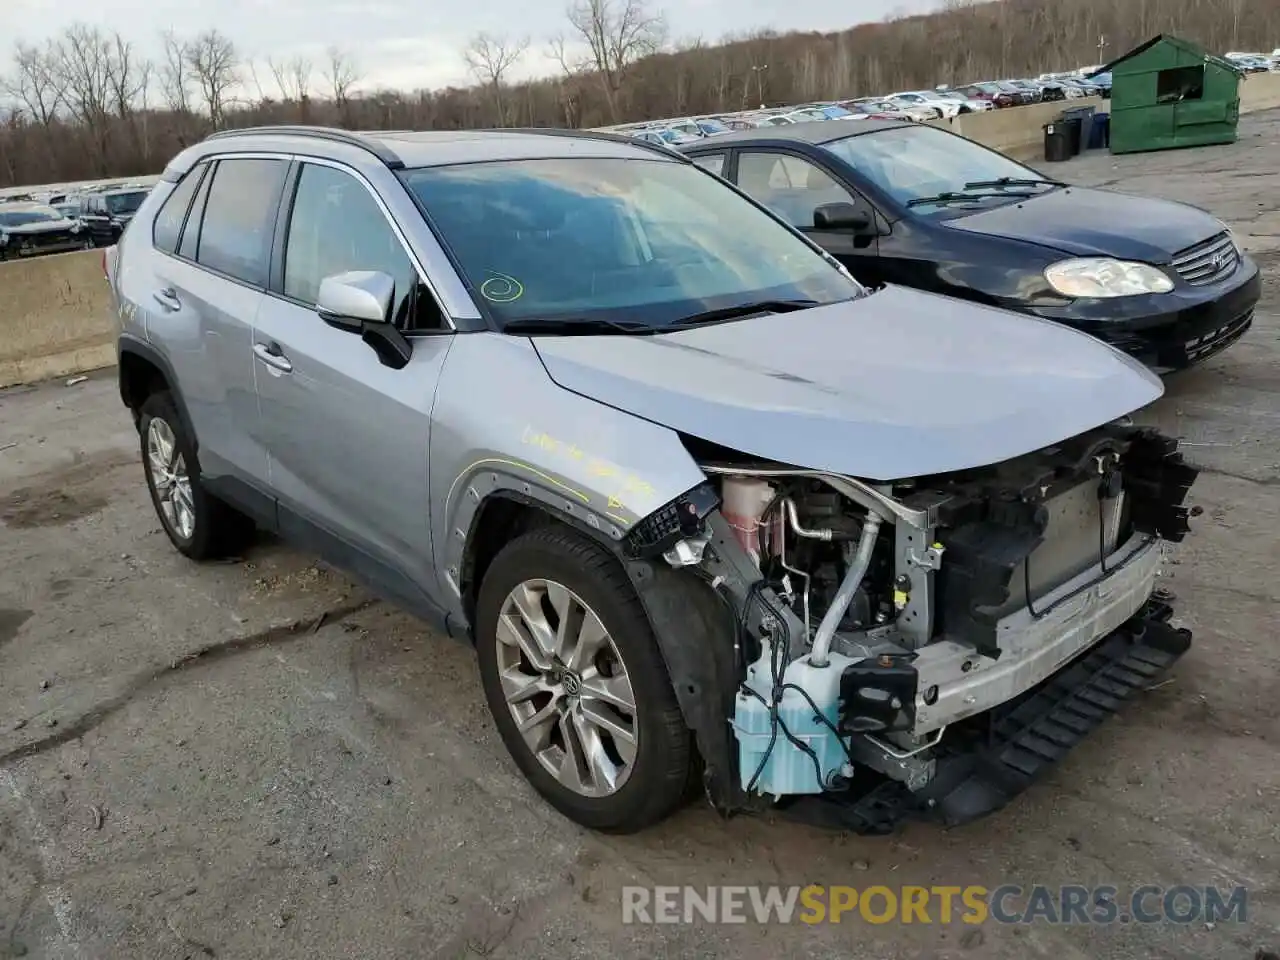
<point>36,229</point>
<point>1091,223</point>
<point>897,384</point>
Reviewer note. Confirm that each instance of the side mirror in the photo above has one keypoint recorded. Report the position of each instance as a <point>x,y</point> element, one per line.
<point>360,302</point>
<point>841,216</point>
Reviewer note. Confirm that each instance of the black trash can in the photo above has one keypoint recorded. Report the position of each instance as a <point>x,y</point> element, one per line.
<point>1081,120</point>
<point>1057,142</point>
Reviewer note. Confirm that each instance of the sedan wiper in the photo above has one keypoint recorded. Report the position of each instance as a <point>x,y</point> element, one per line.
<point>1014,182</point>
<point>740,310</point>
<point>580,326</point>
<point>952,197</point>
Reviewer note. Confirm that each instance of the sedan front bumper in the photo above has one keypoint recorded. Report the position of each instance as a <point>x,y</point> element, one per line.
<point>1170,331</point>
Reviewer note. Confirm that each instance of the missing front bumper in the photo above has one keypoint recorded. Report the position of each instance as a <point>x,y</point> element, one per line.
<point>988,760</point>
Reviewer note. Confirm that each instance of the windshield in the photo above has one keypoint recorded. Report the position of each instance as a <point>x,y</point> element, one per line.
<point>712,126</point>
<point>835,113</point>
<point>20,218</point>
<point>910,163</point>
<point>125,202</point>
<point>622,240</point>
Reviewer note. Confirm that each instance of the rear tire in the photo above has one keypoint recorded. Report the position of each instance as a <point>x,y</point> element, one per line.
<point>602,765</point>
<point>197,523</point>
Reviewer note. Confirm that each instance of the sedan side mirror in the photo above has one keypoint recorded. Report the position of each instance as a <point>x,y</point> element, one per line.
<point>360,302</point>
<point>841,216</point>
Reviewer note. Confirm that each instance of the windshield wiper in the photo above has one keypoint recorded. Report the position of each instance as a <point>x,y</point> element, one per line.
<point>953,197</point>
<point>580,326</point>
<point>1014,182</point>
<point>740,310</point>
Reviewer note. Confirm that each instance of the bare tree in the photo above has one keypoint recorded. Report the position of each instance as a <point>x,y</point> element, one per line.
<point>341,75</point>
<point>128,77</point>
<point>86,62</point>
<point>293,77</point>
<point>618,33</point>
<point>37,82</point>
<point>489,59</point>
<point>215,69</point>
<point>175,73</point>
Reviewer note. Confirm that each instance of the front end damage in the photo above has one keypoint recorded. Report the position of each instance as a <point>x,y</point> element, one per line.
<point>859,654</point>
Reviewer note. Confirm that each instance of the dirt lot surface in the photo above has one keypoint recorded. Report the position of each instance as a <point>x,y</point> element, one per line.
<point>257,760</point>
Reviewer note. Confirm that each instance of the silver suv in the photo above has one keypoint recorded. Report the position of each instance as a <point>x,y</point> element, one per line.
<point>714,515</point>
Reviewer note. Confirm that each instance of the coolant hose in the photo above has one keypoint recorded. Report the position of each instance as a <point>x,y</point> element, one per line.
<point>844,596</point>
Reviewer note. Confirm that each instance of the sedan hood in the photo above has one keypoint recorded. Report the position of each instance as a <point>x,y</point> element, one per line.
<point>897,384</point>
<point>1091,223</point>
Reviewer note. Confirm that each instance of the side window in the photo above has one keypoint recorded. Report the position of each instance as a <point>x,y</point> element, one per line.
<point>790,186</point>
<point>337,226</point>
<point>235,233</point>
<point>191,233</point>
<point>173,212</point>
<point>713,162</point>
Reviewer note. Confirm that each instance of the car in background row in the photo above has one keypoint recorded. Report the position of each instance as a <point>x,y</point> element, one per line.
<point>992,92</point>
<point>31,229</point>
<point>106,213</point>
<point>916,205</point>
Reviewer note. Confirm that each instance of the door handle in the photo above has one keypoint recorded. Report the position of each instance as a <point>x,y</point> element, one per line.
<point>168,298</point>
<point>270,354</point>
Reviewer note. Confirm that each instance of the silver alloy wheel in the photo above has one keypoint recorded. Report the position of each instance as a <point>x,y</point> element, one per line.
<point>567,687</point>
<point>169,479</point>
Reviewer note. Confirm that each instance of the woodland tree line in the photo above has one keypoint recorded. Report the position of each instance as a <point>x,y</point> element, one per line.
<point>89,104</point>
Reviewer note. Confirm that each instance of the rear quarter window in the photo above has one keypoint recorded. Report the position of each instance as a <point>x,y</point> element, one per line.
<point>173,211</point>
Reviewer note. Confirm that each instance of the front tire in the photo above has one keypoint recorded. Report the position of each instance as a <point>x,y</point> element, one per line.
<point>576,684</point>
<point>198,524</point>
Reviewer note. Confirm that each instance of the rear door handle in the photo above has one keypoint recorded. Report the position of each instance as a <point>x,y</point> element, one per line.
<point>168,298</point>
<point>271,355</point>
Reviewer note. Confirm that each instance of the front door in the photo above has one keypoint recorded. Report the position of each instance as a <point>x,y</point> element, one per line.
<point>794,187</point>
<point>347,437</point>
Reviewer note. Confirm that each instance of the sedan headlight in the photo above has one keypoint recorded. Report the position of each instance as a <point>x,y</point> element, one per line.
<point>1102,277</point>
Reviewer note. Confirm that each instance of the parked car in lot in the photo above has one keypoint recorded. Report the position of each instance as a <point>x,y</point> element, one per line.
<point>940,107</point>
<point>29,229</point>
<point>707,507</point>
<point>106,213</point>
<point>919,206</point>
<point>993,93</point>
<point>884,110</point>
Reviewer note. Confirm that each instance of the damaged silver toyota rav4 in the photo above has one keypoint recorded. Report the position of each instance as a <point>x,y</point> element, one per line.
<point>715,517</point>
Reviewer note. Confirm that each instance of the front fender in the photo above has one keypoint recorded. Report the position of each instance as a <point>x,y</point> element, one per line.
<point>500,426</point>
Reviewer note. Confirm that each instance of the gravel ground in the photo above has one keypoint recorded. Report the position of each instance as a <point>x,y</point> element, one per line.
<point>257,760</point>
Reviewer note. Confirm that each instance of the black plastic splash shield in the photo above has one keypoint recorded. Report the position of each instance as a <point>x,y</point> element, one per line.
<point>988,760</point>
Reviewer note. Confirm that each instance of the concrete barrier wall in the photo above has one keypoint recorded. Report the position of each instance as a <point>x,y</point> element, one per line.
<point>54,311</point>
<point>1018,131</point>
<point>1259,91</point>
<point>54,318</point>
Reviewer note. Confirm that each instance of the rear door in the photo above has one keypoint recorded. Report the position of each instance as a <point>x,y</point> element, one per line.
<point>347,436</point>
<point>207,291</point>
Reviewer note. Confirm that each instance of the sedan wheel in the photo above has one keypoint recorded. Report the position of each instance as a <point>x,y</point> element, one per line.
<point>567,687</point>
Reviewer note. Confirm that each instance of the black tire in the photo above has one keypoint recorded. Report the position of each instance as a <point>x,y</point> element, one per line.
<point>659,778</point>
<point>219,530</point>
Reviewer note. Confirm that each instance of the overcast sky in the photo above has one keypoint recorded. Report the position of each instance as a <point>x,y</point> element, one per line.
<point>407,45</point>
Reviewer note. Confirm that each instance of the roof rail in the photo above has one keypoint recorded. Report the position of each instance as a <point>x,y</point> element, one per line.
<point>594,135</point>
<point>332,134</point>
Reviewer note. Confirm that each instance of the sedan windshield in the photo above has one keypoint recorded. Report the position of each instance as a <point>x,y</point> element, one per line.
<point>917,162</point>
<point>21,218</point>
<point>645,243</point>
<point>125,202</point>
<point>712,126</point>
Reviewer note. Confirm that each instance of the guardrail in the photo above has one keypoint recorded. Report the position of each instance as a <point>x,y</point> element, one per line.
<point>54,313</point>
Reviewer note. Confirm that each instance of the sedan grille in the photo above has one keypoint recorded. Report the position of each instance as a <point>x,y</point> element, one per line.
<point>1208,262</point>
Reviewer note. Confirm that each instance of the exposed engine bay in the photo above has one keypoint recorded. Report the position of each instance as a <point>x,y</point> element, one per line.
<point>887,633</point>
